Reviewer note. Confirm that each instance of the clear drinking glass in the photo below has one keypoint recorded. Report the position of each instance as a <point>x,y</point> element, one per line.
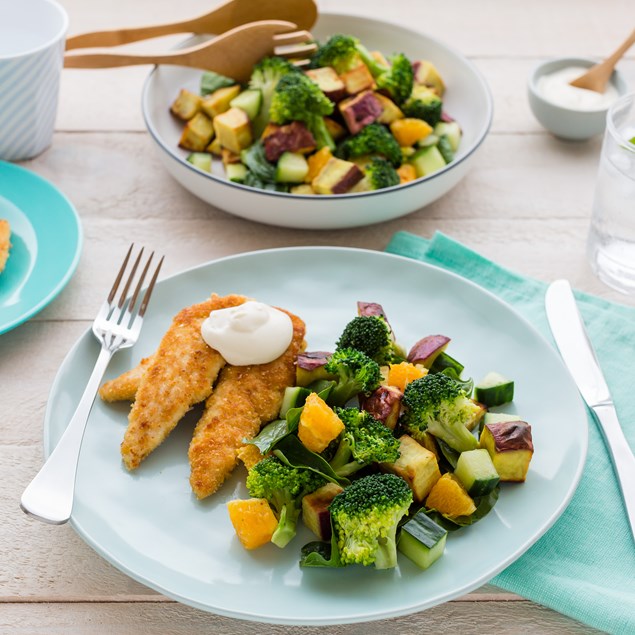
<point>611,243</point>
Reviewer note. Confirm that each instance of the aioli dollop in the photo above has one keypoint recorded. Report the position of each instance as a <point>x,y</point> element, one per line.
<point>555,87</point>
<point>250,333</point>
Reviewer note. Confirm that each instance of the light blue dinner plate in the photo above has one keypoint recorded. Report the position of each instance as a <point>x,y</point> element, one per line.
<point>46,238</point>
<point>149,525</point>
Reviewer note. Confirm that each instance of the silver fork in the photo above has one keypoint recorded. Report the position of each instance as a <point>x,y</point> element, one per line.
<point>49,496</point>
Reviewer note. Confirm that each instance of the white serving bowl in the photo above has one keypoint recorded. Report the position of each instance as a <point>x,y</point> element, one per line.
<point>467,99</point>
<point>568,123</point>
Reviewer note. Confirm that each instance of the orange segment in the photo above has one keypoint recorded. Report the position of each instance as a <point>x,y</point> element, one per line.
<point>319,425</point>
<point>253,521</point>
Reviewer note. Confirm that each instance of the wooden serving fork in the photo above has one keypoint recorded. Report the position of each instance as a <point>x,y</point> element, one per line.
<point>223,18</point>
<point>232,54</point>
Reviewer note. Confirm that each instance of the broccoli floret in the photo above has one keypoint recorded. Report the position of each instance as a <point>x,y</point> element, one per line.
<point>424,104</point>
<point>365,517</point>
<point>344,53</point>
<point>398,80</point>
<point>371,335</point>
<point>372,139</point>
<point>297,98</point>
<point>381,174</point>
<point>356,373</point>
<point>265,77</point>
<point>438,404</point>
<point>363,441</point>
<point>283,487</point>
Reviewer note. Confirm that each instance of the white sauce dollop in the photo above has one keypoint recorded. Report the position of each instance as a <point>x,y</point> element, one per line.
<point>250,333</point>
<point>555,87</point>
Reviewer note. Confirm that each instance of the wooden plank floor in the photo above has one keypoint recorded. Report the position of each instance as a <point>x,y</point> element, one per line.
<point>526,204</point>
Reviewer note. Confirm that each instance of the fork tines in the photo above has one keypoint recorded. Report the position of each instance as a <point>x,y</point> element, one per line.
<point>127,305</point>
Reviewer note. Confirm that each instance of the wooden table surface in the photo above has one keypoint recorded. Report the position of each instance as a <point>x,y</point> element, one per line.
<point>526,204</point>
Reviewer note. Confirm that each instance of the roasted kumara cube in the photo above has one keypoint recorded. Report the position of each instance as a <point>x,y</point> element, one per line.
<point>316,162</point>
<point>304,189</point>
<point>510,446</point>
<point>319,425</point>
<point>215,147</point>
<point>449,497</point>
<point>292,137</point>
<point>416,465</point>
<point>390,111</point>
<point>329,82</point>
<point>426,74</point>
<point>337,177</point>
<point>227,156</point>
<point>358,79</point>
<point>384,403</point>
<point>198,133</point>
<point>477,415</point>
<point>335,130</point>
<point>310,364</point>
<point>186,105</point>
<point>217,102</point>
<point>233,129</point>
<point>360,111</point>
<point>253,521</point>
<point>315,510</point>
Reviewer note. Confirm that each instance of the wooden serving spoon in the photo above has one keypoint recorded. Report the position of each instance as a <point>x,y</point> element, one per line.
<point>232,54</point>
<point>597,77</point>
<point>227,16</point>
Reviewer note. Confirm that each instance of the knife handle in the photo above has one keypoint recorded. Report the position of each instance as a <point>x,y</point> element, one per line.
<point>623,459</point>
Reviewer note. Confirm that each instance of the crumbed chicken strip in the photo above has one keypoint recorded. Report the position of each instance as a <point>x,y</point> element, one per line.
<point>5,243</point>
<point>181,374</point>
<point>124,387</point>
<point>244,398</point>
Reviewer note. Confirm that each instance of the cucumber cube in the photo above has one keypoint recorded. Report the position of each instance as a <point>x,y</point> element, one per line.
<point>236,172</point>
<point>451,130</point>
<point>476,472</point>
<point>294,397</point>
<point>498,417</point>
<point>250,101</point>
<point>494,390</point>
<point>427,160</point>
<point>201,160</point>
<point>422,540</point>
<point>292,168</point>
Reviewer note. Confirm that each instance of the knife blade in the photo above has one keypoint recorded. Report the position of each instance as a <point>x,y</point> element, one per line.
<point>577,352</point>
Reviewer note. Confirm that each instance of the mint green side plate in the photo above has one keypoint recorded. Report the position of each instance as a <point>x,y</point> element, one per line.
<point>46,238</point>
<point>149,525</point>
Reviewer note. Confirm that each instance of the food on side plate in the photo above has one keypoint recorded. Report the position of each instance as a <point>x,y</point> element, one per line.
<point>354,121</point>
<point>5,243</point>
<point>394,470</point>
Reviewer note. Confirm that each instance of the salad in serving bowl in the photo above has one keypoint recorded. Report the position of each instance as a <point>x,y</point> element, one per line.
<point>352,122</point>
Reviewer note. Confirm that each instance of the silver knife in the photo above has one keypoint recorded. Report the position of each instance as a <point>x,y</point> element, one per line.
<point>578,354</point>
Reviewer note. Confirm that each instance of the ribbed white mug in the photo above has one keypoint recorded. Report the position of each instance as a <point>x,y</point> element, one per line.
<point>32,36</point>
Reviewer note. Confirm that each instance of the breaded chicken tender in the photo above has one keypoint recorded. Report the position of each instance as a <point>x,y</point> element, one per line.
<point>180,375</point>
<point>5,243</point>
<point>124,387</point>
<point>244,398</point>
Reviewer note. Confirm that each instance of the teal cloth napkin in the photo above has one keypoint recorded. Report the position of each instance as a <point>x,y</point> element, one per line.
<point>584,566</point>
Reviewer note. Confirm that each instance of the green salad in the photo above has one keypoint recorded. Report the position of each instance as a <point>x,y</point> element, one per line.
<point>353,121</point>
<point>380,451</point>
